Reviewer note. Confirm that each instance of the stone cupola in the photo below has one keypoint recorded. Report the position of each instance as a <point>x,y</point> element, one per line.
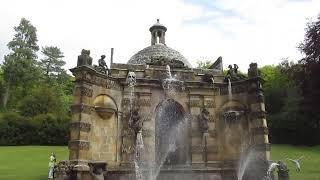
<point>158,32</point>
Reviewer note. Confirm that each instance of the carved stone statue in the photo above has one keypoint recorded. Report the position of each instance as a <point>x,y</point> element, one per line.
<point>253,70</point>
<point>131,78</point>
<point>84,58</point>
<point>233,73</point>
<point>97,171</point>
<point>135,122</point>
<point>102,68</point>
<point>65,171</point>
<point>203,120</point>
<point>283,171</point>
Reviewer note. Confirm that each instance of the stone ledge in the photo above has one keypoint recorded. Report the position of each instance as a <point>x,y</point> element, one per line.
<point>139,102</point>
<point>200,149</point>
<point>79,145</point>
<point>198,133</point>
<point>90,75</point>
<point>81,108</point>
<point>82,126</point>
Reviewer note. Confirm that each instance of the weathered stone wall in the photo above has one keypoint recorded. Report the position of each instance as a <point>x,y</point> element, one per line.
<point>101,111</point>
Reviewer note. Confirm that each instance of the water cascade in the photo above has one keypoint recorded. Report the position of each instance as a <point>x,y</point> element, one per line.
<point>168,71</point>
<point>229,89</point>
<point>245,159</point>
<point>138,159</point>
<point>171,83</point>
<point>205,136</point>
<point>212,79</point>
<point>174,136</point>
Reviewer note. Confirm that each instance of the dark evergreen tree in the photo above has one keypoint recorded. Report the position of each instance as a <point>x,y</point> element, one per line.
<point>52,62</point>
<point>308,77</point>
<point>20,66</point>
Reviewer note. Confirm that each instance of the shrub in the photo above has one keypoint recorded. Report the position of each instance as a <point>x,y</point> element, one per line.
<point>43,129</point>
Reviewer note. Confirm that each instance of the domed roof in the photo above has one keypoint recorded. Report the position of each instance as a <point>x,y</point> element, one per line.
<point>157,51</point>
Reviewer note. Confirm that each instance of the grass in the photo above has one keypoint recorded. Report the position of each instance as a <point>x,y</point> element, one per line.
<point>28,162</point>
<point>31,162</point>
<point>310,164</point>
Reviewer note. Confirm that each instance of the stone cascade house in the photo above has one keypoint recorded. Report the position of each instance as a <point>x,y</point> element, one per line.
<point>194,123</point>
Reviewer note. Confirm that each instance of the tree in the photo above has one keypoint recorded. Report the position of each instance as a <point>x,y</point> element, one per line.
<point>308,77</point>
<point>43,100</point>
<point>20,66</point>
<point>204,64</point>
<point>52,62</point>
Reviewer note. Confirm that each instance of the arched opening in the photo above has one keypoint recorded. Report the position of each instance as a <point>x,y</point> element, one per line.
<point>172,142</point>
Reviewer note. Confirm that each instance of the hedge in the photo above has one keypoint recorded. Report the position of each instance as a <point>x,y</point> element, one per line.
<point>44,129</point>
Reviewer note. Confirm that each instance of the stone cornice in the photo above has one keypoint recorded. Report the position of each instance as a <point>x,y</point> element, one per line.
<point>89,75</point>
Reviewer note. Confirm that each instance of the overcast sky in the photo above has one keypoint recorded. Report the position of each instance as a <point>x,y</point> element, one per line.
<point>241,31</point>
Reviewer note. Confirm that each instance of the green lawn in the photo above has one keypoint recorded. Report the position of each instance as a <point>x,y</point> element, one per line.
<point>28,162</point>
<point>31,162</point>
<point>310,165</point>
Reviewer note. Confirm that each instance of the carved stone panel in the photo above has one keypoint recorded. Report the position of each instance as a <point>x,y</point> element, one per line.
<point>209,104</point>
<point>82,126</point>
<point>194,103</point>
<point>79,145</point>
<point>84,91</point>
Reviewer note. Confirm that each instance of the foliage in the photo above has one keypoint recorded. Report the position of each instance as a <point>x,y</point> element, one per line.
<point>42,129</point>
<point>20,66</point>
<point>205,64</point>
<point>308,77</point>
<point>37,111</point>
<point>311,44</point>
<point>52,62</point>
<point>42,100</point>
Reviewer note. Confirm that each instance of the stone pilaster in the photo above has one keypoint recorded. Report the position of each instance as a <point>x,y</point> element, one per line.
<point>258,123</point>
<point>80,126</point>
<point>195,105</point>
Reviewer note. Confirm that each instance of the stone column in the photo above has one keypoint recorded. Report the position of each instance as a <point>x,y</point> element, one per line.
<point>196,135</point>
<point>80,127</point>
<point>259,142</point>
<point>212,148</point>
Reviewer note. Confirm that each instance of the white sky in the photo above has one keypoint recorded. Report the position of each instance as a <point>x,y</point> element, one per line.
<point>241,31</point>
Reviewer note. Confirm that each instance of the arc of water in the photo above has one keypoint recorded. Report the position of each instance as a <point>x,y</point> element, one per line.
<point>229,89</point>
<point>169,76</point>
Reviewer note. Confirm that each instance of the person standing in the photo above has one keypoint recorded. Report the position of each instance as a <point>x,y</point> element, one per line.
<point>52,163</point>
